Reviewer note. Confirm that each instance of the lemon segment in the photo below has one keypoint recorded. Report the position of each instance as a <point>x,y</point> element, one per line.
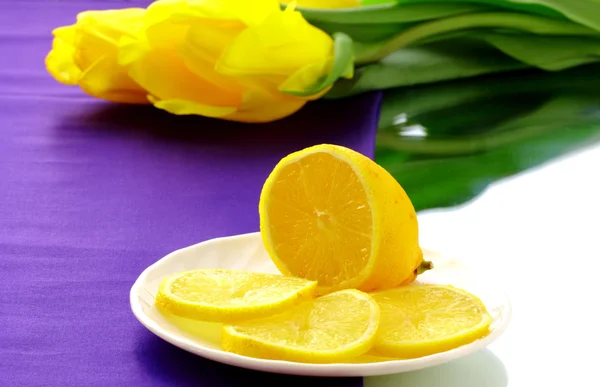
<point>226,295</point>
<point>421,320</point>
<point>330,214</point>
<point>333,328</point>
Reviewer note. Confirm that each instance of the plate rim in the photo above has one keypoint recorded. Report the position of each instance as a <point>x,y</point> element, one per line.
<point>304,369</point>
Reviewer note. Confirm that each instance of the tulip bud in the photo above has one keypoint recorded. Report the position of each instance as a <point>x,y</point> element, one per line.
<point>86,54</point>
<point>229,59</point>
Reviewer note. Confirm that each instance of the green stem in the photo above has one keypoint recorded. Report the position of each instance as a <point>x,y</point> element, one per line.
<point>514,21</point>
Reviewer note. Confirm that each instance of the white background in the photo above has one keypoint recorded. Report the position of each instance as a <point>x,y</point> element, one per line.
<point>538,234</point>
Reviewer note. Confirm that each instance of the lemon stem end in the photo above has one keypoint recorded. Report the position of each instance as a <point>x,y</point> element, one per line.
<point>424,266</point>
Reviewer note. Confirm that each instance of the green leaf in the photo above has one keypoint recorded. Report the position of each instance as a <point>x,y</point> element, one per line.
<point>462,55</point>
<point>584,12</point>
<point>435,62</point>
<point>390,13</point>
<point>370,33</point>
<point>476,22</point>
<point>548,53</point>
<point>343,66</point>
<point>420,41</point>
<point>447,96</point>
<point>445,143</point>
<point>373,24</point>
<point>444,182</point>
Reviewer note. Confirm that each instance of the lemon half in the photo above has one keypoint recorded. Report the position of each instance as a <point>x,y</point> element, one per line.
<point>332,215</point>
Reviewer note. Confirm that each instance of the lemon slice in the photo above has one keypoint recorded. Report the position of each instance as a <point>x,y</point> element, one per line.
<point>426,319</point>
<point>330,214</point>
<point>332,328</point>
<point>224,295</point>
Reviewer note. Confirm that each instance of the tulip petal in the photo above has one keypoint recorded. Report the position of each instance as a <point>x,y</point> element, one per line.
<point>209,40</point>
<point>110,25</point>
<point>105,80</point>
<point>343,66</point>
<point>189,11</point>
<point>259,107</point>
<point>65,34</point>
<point>184,107</point>
<point>250,13</point>
<point>104,29</point>
<point>281,45</point>
<point>203,46</point>
<point>195,60</point>
<point>132,49</point>
<point>164,75</point>
<point>59,60</point>
<point>302,82</point>
<point>99,32</point>
<point>160,11</point>
<point>86,54</point>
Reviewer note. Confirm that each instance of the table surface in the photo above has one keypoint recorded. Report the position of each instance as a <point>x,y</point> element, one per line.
<point>92,193</point>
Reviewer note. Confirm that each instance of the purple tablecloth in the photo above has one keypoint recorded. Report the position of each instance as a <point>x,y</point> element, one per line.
<point>92,193</point>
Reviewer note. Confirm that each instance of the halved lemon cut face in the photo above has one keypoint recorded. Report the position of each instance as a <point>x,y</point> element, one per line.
<point>332,215</point>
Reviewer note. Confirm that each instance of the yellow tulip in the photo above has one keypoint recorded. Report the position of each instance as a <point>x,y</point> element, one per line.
<point>86,54</point>
<point>325,4</point>
<point>230,59</point>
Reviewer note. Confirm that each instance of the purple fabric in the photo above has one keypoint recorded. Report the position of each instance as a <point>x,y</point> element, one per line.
<point>92,193</point>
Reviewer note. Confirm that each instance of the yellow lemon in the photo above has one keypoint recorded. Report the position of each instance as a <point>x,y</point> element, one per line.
<point>225,295</point>
<point>330,214</point>
<point>425,319</point>
<point>336,327</point>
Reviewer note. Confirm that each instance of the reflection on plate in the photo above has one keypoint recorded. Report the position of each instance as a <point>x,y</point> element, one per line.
<point>246,252</point>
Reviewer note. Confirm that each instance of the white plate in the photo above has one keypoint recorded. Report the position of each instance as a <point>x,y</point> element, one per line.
<point>247,252</point>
